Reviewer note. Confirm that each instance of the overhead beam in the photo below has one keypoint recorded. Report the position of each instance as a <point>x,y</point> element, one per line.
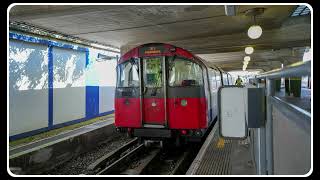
<point>264,68</point>
<point>27,12</point>
<point>292,35</point>
<point>273,61</point>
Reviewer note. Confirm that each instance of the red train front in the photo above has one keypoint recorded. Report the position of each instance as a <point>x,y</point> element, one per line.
<point>162,92</point>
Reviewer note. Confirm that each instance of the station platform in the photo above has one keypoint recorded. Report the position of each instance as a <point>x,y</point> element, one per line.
<point>219,156</point>
<point>63,135</point>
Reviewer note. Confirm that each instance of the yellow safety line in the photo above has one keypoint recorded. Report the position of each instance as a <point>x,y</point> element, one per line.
<point>220,143</point>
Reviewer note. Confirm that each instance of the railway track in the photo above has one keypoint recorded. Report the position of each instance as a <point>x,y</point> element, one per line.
<point>135,158</point>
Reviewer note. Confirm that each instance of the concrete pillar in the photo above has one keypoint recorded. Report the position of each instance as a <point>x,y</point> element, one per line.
<point>287,86</point>
<point>295,86</point>
<point>269,127</point>
<point>278,85</point>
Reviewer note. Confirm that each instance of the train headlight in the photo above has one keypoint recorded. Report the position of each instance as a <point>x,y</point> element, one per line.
<point>183,102</point>
<point>126,102</point>
<point>198,133</point>
<point>153,104</point>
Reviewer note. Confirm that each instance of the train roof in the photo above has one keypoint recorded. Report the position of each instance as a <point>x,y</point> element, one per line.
<point>158,49</point>
<point>163,49</point>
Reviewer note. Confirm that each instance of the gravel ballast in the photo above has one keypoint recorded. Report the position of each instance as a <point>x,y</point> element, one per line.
<point>78,165</point>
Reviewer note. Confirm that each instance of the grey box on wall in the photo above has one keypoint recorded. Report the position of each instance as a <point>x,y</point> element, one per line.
<point>256,107</point>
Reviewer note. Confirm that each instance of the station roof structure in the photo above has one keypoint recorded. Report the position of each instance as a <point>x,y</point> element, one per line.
<point>205,30</point>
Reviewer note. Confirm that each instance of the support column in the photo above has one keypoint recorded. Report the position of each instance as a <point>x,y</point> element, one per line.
<point>260,144</point>
<point>278,85</point>
<point>270,84</point>
<point>287,86</point>
<point>295,86</point>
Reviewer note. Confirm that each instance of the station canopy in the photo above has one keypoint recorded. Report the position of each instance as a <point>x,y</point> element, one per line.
<point>205,30</point>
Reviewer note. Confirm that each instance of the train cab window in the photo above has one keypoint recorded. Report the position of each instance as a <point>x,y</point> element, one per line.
<point>128,74</point>
<point>152,72</point>
<point>184,73</point>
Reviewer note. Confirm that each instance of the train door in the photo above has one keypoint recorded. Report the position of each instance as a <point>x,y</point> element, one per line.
<point>214,91</point>
<point>207,93</point>
<point>153,92</point>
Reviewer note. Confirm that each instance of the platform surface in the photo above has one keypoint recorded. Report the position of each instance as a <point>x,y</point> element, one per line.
<point>219,156</point>
<point>74,132</point>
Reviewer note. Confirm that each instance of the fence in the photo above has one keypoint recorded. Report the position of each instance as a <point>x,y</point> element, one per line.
<point>283,145</point>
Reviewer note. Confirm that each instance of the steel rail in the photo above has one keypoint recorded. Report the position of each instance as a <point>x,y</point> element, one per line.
<point>115,166</point>
<point>112,155</point>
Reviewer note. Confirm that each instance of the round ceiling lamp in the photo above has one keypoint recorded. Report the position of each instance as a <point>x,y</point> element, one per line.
<point>247,58</point>
<point>255,31</point>
<point>249,50</point>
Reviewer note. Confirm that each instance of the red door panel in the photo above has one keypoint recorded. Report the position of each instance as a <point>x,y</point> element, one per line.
<point>127,112</point>
<point>154,111</point>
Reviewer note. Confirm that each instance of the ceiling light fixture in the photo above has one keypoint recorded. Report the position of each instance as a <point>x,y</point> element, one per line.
<point>247,58</point>
<point>255,31</point>
<point>249,50</point>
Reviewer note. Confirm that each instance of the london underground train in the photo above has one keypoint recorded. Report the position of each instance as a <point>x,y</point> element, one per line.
<point>165,92</point>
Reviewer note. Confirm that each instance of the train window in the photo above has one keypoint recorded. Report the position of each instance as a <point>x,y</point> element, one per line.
<point>218,78</point>
<point>225,79</point>
<point>230,79</point>
<point>184,73</point>
<point>152,72</point>
<point>128,74</point>
<point>212,78</point>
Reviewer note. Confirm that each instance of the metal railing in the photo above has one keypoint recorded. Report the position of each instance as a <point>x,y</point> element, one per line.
<point>304,117</point>
<point>294,70</point>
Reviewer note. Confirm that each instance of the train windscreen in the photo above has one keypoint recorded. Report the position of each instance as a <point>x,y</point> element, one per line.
<point>128,74</point>
<point>183,72</point>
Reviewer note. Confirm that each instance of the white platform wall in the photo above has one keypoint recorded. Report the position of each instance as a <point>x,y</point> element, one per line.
<point>28,87</point>
<point>69,91</point>
<point>29,83</point>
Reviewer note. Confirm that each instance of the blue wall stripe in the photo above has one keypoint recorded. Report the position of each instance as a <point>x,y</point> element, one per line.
<point>50,84</point>
<point>87,57</point>
<point>41,130</point>
<point>44,41</point>
<point>92,101</point>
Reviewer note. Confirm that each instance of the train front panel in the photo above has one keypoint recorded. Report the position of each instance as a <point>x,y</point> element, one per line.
<point>161,90</point>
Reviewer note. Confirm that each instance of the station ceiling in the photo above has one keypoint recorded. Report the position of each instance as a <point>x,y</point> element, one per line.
<point>205,30</point>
